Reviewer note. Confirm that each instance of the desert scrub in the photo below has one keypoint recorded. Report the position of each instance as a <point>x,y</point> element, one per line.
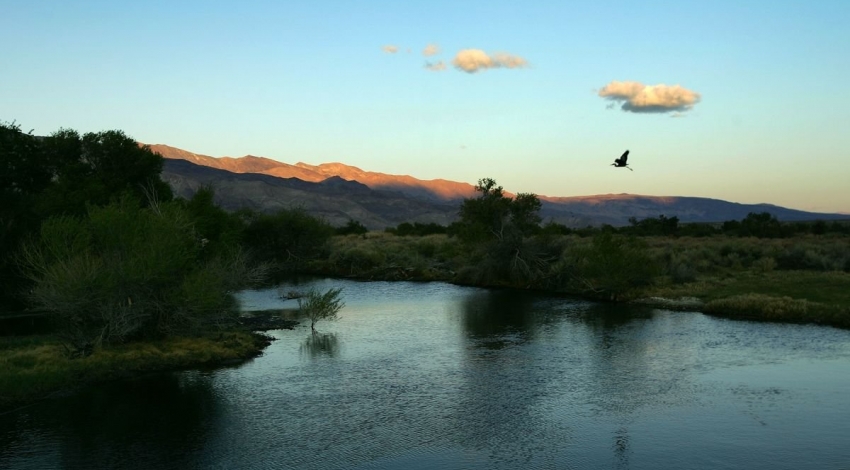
<point>379,255</point>
<point>612,266</point>
<point>784,309</point>
<point>33,367</point>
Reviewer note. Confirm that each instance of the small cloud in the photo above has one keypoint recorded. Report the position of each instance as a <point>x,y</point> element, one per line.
<point>636,97</point>
<point>390,49</point>
<point>510,61</point>
<point>473,60</point>
<point>435,66</point>
<point>431,49</point>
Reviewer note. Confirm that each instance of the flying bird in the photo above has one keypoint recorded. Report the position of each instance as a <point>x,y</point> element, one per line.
<point>621,162</point>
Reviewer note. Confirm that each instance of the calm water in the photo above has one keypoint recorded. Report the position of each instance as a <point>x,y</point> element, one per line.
<point>434,376</point>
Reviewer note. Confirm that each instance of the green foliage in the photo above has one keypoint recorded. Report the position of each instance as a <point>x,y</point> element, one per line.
<point>405,229</point>
<point>288,238</point>
<point>553,228</point>
<point>352,227</point>
<point>697,230</point>
<point>661,225</point>
<point>93,169</point>
<point>124,272</point>
<point>24,174</point>
<point>761,225</point>
<point>219,231</point>
<point>612,266</point>
<point>63,175</point>
<point>321,306</point>
<point>760,306</point>
<point>495,227</point>
<point>357,260</point>
<point>32,367</point>
<point>494,216</point>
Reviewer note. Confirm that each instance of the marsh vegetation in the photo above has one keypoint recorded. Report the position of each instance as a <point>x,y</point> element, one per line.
<point>92,238</point>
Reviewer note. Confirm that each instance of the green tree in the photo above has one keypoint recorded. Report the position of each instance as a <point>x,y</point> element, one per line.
<point>661,225</point>
<point>761,225</point>
<point>612,265</point>
<point>124,272</point>
<point>321,306</point>
<point>95,168</point>
<point>496,227</point>
<point>65,174</point>
<point>24,174</point>
<point>219,231</point>
<point>352,227</point>
<point>287,238</point>
<point>493,215</point>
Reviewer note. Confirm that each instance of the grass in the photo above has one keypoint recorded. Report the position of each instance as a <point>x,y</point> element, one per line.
<point>799,279</point>
<point>32,367</point>
<point>787,296</point>
<point>814,286</point>
<point>803,279</point>
<point>782,309</point>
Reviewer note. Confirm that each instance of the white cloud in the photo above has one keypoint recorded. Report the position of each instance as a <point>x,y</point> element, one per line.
<point>435,66</point>
<point>390,49</point>
<point>636,97</point>
<point>473,60</point>
<point>431,49</point>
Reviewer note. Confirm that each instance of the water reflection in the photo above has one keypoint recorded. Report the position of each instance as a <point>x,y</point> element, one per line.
<point>498,318</point>
<point>506,377</point>
<point>162,419</point>
<point>320,344</point>
<point>636,359</point>
<point>439,376</point>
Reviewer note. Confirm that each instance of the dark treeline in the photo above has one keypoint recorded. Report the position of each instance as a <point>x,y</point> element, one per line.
<point>500,241</point>
<point>91,234</point>
<point>759,225</point>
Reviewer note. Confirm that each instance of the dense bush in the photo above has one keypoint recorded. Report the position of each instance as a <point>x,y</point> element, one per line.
<point>321,306</point>
<point>288,238</point>
<point>64,174</point>
<point>416,229</point>
<point>612,265</point>
<point>352,227</point>
<point>124,272</point>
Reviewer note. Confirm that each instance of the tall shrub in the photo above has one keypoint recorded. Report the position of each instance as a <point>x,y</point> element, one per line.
<point>126,272</point>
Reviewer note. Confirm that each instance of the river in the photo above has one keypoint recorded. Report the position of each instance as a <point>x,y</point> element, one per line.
<point>436,376</point>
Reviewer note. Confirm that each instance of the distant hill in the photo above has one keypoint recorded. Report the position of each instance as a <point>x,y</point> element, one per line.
<point>338,192</point>
<point>437,190</point>
<point>334,199</point>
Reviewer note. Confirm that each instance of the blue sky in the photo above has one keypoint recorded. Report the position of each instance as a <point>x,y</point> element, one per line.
<point>760,113</point>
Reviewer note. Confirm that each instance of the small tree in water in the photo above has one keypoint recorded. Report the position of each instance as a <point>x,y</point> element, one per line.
<point>318,306</point>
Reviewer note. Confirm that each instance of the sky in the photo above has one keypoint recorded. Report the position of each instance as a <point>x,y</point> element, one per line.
<point>738,100</point>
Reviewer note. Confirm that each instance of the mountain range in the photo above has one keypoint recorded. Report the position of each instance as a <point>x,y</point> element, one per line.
<point>339,192</point>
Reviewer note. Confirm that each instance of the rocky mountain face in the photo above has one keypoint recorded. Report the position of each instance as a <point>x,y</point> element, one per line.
<point>339,192</point>
<point>334,199</point>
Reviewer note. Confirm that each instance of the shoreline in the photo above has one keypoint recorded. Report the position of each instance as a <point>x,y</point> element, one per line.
<point>36,368</point>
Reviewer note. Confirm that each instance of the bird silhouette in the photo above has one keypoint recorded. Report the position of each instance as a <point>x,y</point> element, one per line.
<point>621,162</point>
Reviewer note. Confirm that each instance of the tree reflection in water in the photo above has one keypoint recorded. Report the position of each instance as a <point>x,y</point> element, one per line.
<point>320,344</point>
<point>164,418</point>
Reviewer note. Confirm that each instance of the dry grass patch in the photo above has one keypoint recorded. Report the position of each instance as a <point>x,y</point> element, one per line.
<point>31,368</point>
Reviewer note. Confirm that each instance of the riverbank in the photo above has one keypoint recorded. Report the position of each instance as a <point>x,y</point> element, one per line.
<point>779,296</point>
<point>35,367</point>
<point>797,280</point>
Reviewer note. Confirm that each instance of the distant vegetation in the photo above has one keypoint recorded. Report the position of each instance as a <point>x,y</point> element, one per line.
<point>90,235</point>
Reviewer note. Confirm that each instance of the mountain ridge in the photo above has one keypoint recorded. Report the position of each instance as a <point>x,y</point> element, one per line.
<point>429,200</point>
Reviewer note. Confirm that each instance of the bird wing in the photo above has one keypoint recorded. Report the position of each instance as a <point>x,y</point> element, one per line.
<point>624,156</point>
